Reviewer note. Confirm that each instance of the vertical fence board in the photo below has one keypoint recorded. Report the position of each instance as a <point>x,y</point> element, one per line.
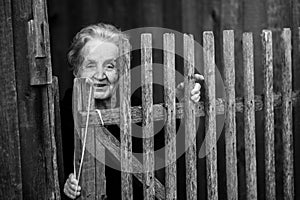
<point>87,176</point>
<point>170,127</point>
<point>249,116</point>
<point>125,123</point>
<point>53,151</point>
<point>269,115</point>
<point>189,116</point>
<point>210,115</point>
<point>148,131</point>
<point>10,156</point>
<point>287,134</point>
<point>230,109</point>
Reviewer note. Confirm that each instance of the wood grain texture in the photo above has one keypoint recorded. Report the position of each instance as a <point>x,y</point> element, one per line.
<point>210,115</point>
<point>270,184</point>
<point>148,126</point>
<point>87,175</point>
<point>113,145</point>
<point>287,119</point>
<point>111,116</point>
<point>58,133</point>
<point>170,116</point>
<point>190,120</point>
<point>125,121</point>
<point>230,114</point>
<point>249,117</point>
<point>51,90</point>
<point>38,39</point>
<point>10,157</point>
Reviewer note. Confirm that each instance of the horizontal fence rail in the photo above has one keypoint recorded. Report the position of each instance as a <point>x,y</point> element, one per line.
<point>93,171</point>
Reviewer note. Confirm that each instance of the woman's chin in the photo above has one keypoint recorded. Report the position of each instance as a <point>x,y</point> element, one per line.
<point>101,95</point>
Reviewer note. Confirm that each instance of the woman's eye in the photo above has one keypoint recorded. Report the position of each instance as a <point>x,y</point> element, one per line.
<point>90,66</point>
<point>110,66</point>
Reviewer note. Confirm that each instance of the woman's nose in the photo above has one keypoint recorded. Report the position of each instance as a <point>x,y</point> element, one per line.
<point>99,74</point>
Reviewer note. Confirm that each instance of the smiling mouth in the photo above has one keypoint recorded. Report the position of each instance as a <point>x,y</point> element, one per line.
<point>99,85</point>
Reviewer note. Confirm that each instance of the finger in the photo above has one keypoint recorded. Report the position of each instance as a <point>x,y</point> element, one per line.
<point>195,98</point>
<point>73,180</point>
<point>196,89</point>
<point>199,77</point>
<point>180,85</point>
<point>75,187</point>
<point>70,193</point>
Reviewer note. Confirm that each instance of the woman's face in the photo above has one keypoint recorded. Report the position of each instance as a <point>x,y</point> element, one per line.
<point>99,64</point>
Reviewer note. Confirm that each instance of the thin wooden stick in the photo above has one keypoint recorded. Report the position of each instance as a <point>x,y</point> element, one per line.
<point>170,127</point>
<point>210,112</point>
<point>230,109</point>
<point>249,117</point>
<point>125,121</point>
<point>287,133</point>
<point>190,121</point>
<point>269,115</point>
<point>148,131</point>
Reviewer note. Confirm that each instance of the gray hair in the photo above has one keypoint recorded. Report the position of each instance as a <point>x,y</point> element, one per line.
<point>104,32</point>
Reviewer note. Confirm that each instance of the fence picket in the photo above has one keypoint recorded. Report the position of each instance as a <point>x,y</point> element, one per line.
<point>125,121</point>
<point>287,134</point>
<point>190,123</point>
<point>148,142</point>
<point>230,109</point>
<point>210,115</point>
<point>170,127</point>
<point>269,115</point>
<point>249,116</point>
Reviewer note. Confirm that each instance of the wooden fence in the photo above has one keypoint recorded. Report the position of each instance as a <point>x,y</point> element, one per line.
<point>93,171</point>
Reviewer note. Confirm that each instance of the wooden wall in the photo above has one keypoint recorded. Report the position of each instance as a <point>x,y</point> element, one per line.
<point>29,119</point>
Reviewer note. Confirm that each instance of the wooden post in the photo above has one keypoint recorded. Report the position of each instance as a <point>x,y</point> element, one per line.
<point>249,116</point>
<point>189,116</point>
<point>10,156</point>
<point>287,120</point>
<point>230,109</point>
<point>125,121</point>
<point>170,115</point>
<point>270,184</point>
<point>210,115</point>
<point>148,131</point>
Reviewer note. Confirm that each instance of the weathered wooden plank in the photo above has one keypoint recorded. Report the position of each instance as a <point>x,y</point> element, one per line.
<point>86,174</point>
<point>189,116</point>
<point>76,107</point>
<point>249,117</point>
<point>52,139</point>
<point>210,115</point>
<point>111,116</point>
<point>39,45</point>
<point>58,134</point>
<point>287,120</point>
<point>148,126</point>
<point>125,121</point>
<point>230,109</point>
<point>170,116</point>
<point>10,157</point>
<point>270,185</point>
<point>100,182</point>
<point>113,145</point>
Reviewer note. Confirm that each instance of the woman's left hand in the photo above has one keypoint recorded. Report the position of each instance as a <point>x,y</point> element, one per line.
<point>195,93</point>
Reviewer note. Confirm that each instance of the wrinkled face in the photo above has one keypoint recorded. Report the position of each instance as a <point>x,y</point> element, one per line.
<point>99,64</point>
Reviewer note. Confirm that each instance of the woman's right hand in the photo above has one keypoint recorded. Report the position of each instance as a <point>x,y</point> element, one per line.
<point>71,187</point>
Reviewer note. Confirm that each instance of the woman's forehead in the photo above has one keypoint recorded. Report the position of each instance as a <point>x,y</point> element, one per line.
<point>97,49</point>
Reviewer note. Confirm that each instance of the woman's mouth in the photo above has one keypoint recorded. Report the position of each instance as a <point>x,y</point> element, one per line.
<point>100,86</point>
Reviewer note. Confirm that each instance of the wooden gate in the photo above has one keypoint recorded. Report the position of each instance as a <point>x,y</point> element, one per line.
<point>99,138</point>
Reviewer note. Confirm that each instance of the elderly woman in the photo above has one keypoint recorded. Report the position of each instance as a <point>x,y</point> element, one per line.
<point>93,55</point>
